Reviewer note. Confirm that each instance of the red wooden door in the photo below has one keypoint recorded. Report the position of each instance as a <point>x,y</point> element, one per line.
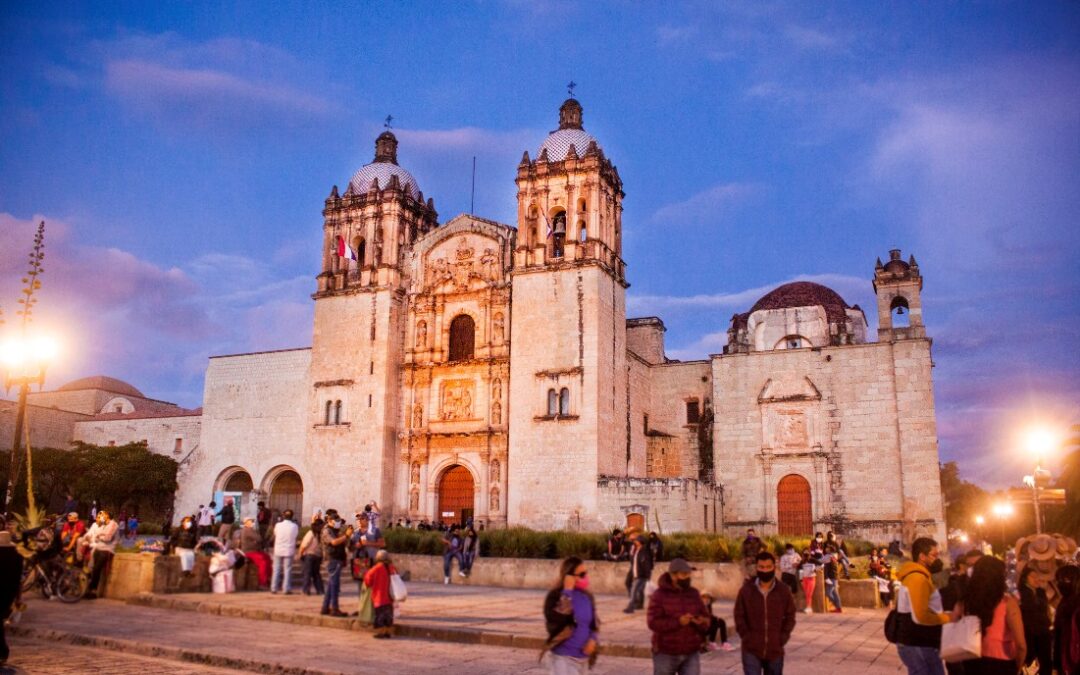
<point>794,512</point>
<point>456,494</point>
<point>287,492</point>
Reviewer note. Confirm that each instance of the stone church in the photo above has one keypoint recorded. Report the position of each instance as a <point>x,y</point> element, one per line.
<point>476,369</point>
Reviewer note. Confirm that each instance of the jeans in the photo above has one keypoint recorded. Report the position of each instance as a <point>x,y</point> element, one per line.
<point>282,567</point>
<point>921,660</point>
<point>312,573</point>
<point>333,584</point>
<point>832,592</point>
<point>670,664</point>
<point>467,560</point>
<point>637,594</point>
<point>753,665</point>
<point>447,562</point>
<point>101,562</point>
<point>717,625</point>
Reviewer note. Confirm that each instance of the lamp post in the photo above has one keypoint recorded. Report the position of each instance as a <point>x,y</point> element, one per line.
<point>1003,510</point>
<point>979,522</point>
<point>1039,441</point>
<point>25,360</point>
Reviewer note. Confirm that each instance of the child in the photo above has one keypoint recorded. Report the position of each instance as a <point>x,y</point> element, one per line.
<point>378,580</point>
<point>716,624</point>
<point>808,577</point>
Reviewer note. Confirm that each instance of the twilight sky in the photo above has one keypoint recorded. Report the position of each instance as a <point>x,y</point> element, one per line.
<point>181,152</point>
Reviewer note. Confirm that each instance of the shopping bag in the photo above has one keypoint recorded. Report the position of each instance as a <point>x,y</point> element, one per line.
<point>398,591</point>
<point>961,640</point>
<point>366,613</point>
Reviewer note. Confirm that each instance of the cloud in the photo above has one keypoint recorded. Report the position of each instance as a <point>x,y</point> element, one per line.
<point>707,205</point>
<point>805,37</point>
<point>667,34</point>
<point>468,139</point>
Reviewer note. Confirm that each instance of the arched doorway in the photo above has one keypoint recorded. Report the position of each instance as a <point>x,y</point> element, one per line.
<point>456,495</point>
<point>635,521</point>
<point>235,486</point>
<point>287,492</point>
<point>794,508</point>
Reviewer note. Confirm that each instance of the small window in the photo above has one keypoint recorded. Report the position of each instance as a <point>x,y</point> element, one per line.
<point>564,401</point>
<point>178,445</point>
<point>118,408</point>
<point>553,403</point>
<point>693,412</point>
<point>583,232</point>
<point>329,412</point>
<point>794,343</point>
<point>337,412</point>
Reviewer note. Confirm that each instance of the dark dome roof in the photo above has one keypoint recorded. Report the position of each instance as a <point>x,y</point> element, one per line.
<point>102,382</point>
<point>804,294</point>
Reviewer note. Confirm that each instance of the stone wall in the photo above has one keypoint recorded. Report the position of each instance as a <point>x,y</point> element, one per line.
<point>667,504</point>
<point>49,428</point>
<point>169,436</point>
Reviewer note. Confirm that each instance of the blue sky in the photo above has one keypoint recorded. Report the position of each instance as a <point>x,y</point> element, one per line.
<point>181,152</point>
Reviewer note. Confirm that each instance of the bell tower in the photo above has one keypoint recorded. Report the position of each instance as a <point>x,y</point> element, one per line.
<point>568,356</point>
<point>898,285</point>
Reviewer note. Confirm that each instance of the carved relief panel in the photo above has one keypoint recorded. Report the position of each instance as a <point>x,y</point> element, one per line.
<point>457,400</point>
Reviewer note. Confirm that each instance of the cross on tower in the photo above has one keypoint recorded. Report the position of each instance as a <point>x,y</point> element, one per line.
<point>389,119</point>
<point>570,88</point>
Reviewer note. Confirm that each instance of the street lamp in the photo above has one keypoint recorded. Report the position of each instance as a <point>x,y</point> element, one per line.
<point>1002,510</point>
<point>1039,441</point>
<point>24,361</point>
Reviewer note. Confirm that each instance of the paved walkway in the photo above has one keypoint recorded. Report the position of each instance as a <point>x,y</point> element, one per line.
<point>31,656</point>
<point>255,631</point>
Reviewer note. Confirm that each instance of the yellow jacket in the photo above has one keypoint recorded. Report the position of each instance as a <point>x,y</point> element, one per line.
<point>920,588</point>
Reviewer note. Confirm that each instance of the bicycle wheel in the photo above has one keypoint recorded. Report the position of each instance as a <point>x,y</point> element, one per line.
<point>72,584</point>
<point>29,578</point>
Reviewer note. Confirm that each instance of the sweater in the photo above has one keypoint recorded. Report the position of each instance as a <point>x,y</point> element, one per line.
<point>919,608</point>
<point>764,620</point>
<point>666,605</point>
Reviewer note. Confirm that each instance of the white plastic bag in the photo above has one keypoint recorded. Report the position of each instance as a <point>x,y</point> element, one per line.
<point>961,640</point>
<point>398,591</point>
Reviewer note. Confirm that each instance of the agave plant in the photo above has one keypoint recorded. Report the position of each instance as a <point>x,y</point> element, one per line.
<point>34,517</point>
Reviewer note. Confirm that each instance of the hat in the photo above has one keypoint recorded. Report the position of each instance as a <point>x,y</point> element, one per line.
<point>74,515</point>
<point>5,538</point>
<point>1042,547</point>
<point>680,565</point>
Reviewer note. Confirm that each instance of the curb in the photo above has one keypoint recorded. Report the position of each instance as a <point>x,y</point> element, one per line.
<point>165,652</point>
<point>436,633</point>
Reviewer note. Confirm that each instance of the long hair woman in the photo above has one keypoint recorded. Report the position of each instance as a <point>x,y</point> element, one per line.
<point>1035,609</point>
<point>572,624</point>
<point>1003,645</point>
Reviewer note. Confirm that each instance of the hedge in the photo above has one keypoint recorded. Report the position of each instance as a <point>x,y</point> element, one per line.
<point>522,542</point>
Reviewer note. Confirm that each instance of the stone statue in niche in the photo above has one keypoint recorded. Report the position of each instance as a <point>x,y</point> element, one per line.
<point>495,500</point>
<point>496,390</point>
<point>415,477</point>
<point>487,263</point>
<point>457,400</point>
<point>496,470</point>
<point>498,324</point>
<point>421,334</point>
<point>414,501</point>
<point>496,413</point>
<point>418,416</point>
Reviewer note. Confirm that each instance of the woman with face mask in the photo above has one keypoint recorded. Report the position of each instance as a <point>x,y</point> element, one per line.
<point>572,623</point>
<point>183,544</point>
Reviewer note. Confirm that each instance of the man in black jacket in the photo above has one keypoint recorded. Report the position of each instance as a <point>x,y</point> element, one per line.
<point>641,564</point>
<point>11,565</point>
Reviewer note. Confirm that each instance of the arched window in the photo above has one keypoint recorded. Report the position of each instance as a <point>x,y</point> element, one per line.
<point>462,338</point>
<point>583,232</point>
<point>329,412</point>
<point>360,246</point>
<point>337,412</point>
<point>901,312</point>
<point>553,403</point>
<point>564,401</point>
<point>558,229</point>
<point>792,342</point>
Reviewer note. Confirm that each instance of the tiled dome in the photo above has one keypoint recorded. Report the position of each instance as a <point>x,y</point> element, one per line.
<point>804,294</point>
<point>110,384</point>
<point>362,179</point>
<point>558,143</point>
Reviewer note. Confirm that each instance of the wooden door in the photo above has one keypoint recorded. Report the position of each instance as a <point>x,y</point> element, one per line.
<point>456,495</point>
<point>287,492</point>
<point>635,520</point>
<point>794,512</point>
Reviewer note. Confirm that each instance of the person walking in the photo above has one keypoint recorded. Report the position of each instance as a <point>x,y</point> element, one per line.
<point>832,577</point>
<point>808,578</point>
<point>103,537</point>
<point>378,580</point>
<point>335,537</point>
<point>919,611</point>
<point>1003,646</point>
<point>227,518</point>
<point>311,557</point>
<point>789,568</point>
<point>679,622</point>
<point>641,565</point>
<point>751,546</point>
<point>285,533</point>
<point>764,619</point>
<point>11,567</point>
<point>1035,608</point>
<point>572,623</point>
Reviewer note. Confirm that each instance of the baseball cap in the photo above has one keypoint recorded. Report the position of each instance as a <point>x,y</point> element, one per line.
<point>680,565</point>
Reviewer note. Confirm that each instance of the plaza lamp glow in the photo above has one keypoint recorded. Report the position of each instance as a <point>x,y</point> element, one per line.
<point>24,359</point>
<point>1002,510</point>
<point>1040,441</point>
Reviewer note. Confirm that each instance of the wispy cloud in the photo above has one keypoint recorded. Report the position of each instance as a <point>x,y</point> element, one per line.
<point>707,205</point>
<point>469,138</point>
<point>847,286</point>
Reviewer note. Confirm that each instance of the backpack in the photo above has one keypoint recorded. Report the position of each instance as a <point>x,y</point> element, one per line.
<point>892,626</point>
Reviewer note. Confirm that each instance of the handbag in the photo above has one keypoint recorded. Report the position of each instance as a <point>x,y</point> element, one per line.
<point>366,613</point>
<point>892,626</point>
<point>398,591</point>
<point>961,640</point>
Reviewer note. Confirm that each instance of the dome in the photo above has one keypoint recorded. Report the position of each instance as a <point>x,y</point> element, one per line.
<point>804,294</point>
<point>558,143</point>
<point>104,383</point>
<point>382,171</point>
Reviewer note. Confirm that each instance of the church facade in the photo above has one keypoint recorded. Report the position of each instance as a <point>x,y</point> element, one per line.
<point>475,369</point>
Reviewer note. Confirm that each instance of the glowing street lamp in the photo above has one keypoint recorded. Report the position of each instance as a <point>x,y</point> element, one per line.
<point>979,520</point>
<point>1039,441</point>
<point>1002,510</point>
<point>24,360</point>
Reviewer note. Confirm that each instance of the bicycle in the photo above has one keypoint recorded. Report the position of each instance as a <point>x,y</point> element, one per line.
<point>67,583</point>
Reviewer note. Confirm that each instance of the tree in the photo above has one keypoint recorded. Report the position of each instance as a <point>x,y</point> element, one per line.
<point>963,500</point>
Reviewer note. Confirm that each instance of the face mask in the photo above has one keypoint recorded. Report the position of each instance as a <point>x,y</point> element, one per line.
<point>970,571</point>
<point>936,566</point>
<point>684,584</point>
<point>766,577</point>
<point>582,584</point>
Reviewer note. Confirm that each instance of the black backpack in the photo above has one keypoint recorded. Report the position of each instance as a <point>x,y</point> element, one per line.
<point>892,626</point>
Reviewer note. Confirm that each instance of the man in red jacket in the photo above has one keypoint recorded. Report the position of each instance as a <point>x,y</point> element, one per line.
<point>678,620</point>
<point>764,619</point>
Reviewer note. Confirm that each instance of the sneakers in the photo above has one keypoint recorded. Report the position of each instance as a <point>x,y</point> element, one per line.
<point>808,610</point>
<point>727,647</point>
<point>446,580</point>
<point>460,574</point>
<point>628,610</point>
<point>711,647</point>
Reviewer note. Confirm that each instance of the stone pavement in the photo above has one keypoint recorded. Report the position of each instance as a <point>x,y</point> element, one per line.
<point>31,656</point>
<point>500,626</point>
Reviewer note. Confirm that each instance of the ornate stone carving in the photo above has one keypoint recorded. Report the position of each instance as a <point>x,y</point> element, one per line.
<point>415,476</point>
<point>457,400</point>
<point>421,334</point>
<point>495,505</point>
<point>414,500</point>
<point>792,429</point>
<point>495,470</point>
<point>496,413</point>
<point>498,327</point>
<point>496,390</point>
<point>487,264</point>
<point>418,416</point>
